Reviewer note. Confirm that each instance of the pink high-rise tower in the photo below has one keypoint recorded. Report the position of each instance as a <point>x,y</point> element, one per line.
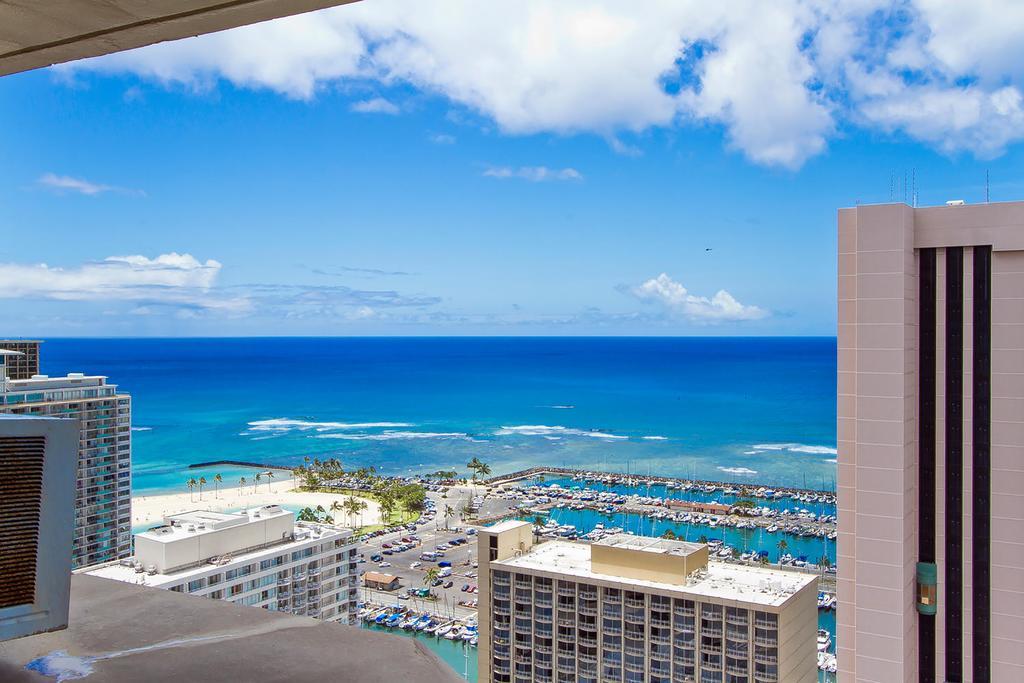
<point>931,443</point>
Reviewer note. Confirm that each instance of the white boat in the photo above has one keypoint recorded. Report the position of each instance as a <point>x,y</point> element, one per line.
<point>444,630</point>
<point>824,640</point>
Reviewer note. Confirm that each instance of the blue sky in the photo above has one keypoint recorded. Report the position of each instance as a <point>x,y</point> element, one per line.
<point>561,171</point>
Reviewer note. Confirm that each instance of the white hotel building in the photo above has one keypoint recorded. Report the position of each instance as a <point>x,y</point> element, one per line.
<point>260,557</point>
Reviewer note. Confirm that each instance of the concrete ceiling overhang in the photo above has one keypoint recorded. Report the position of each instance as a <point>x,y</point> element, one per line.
<point>39,33</point>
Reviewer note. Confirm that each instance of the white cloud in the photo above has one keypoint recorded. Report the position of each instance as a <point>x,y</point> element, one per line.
<point>376,105</point>
<point>677,300</point>
<point>780,78</point>
<point>69,184</point>
<point>535,174</point>
<point>171,279</point>
<point>62,183</point>
<point>442,139</point>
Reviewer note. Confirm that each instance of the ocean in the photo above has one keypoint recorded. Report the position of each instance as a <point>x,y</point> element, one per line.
<point>733,409</point>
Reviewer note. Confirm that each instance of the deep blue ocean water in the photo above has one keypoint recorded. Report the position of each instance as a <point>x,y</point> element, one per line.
<point>736,409</point>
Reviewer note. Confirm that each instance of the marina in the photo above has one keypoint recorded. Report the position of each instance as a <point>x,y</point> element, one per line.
<point>454,641</point>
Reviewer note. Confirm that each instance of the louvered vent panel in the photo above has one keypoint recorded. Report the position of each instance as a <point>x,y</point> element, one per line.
<point>21,489</point>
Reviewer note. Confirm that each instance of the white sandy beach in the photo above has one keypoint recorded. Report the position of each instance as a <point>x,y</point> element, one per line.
<point>152,509</point>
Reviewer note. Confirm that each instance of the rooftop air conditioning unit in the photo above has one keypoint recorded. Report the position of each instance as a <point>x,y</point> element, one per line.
<point>38,461</point>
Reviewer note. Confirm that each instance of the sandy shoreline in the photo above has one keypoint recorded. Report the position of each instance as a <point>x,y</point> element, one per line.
<point>151,509</point>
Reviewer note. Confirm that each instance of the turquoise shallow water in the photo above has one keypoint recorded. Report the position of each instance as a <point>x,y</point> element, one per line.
<point>451,652</point>
<point>740,409</point>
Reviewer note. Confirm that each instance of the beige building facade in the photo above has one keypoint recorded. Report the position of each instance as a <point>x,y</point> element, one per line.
<point>631,608</point>
<point>931,443</point>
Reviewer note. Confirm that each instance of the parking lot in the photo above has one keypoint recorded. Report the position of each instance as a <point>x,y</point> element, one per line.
<point>431,536</point>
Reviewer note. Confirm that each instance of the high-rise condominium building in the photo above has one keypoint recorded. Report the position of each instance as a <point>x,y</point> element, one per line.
<point>103,489</point>
<point>25,362</point>
<point>931,443</point>
<point>259,557</point>
<point>631,608</point>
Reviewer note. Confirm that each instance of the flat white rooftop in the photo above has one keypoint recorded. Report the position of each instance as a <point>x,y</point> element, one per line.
<point>124,571</point>
<point>199,522</point>
<point>754,585</point>
<point>46,381</point>
<point>649,544</point>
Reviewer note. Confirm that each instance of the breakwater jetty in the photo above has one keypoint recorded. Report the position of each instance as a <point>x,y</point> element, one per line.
<point>643,479</point>
<point>238,463</point>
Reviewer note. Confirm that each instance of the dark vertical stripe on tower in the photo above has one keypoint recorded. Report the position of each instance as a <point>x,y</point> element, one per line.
<point>954,462</point>
<point>926,451</point>
<point>981,465</point>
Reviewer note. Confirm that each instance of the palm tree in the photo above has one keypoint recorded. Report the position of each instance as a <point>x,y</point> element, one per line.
<point>256,481</point>
<point>191,484</point>
<point>449,512</point>
<point>538,522</point>
<point>702,539</point>
<point>354,506</point>
<point>430,576</point>
<point>386,501</point>
<point>202,483</point>
<point>270,476</point>
<point>217,479</point>
<point>669,534</point>
<point>484,469</point>
<point>241,484</point>
<point>474,465</point>
<point>824,563</point>
<point>782,546</point>
<point>336,507</point>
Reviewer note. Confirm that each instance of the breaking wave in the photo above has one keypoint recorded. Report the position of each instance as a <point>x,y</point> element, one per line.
<point>738,470</point>
<point>284,425</point>
<point>388,436</point>
<point>792,448</point>
<point>545,430</point>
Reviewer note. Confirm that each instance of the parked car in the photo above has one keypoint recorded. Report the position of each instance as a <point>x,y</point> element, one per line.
<point>449,584</point>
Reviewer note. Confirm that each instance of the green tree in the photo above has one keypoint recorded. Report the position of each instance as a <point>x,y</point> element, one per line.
<point>191,484</point>
<point>824,563</point>
<point>241,484</point>
<point>202,483</point>
<point>430,576</point>
<point>270,476</point>
<point>449,513</point>
<point>386,501</point>
<point>336,507</point>
<point>669,534</point>
<point>782,546</point>
<point>256,481</point>
<point>353,506</point>
<point>702,539</point>
<point>217,481</point>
